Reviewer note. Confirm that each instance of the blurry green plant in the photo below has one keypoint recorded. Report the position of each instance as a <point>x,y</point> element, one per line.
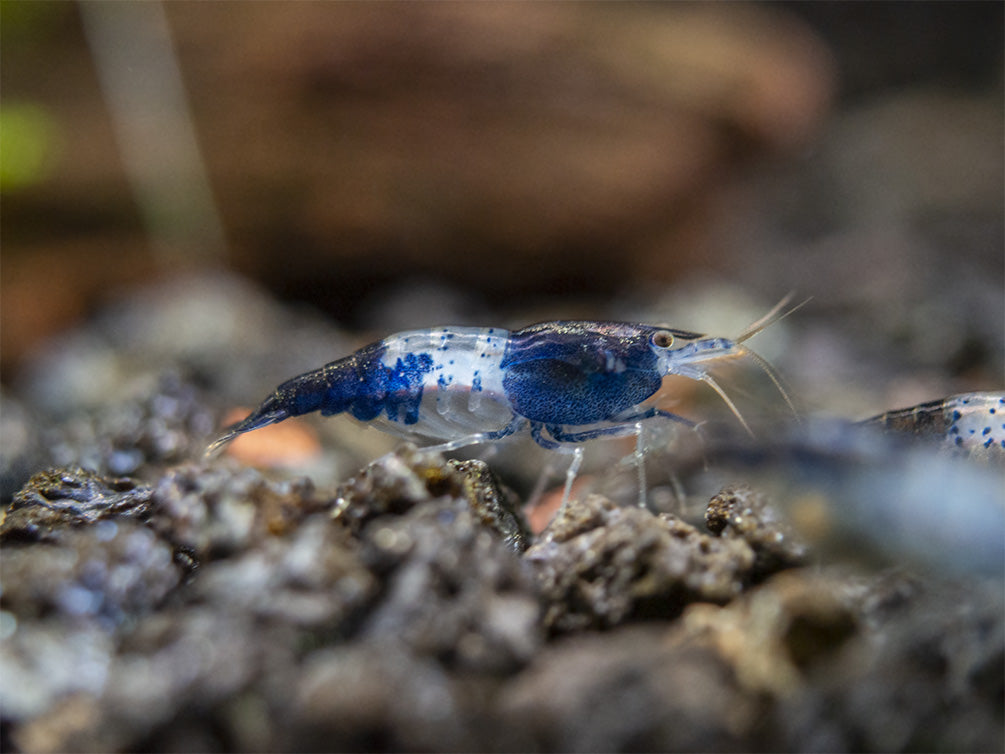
<point>29,144</point>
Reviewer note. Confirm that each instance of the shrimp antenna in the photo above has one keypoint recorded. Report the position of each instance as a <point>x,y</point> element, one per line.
<point>707,379</point>
<point>773,375</point>
<point>775,315</point>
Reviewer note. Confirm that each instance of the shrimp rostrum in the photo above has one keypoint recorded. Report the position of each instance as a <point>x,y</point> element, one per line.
<point>563,382</point>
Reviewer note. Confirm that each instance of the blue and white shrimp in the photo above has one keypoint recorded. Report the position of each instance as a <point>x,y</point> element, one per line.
<point>563,382</point>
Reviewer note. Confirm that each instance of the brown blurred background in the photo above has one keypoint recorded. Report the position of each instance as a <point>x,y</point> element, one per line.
<point>501,155</point>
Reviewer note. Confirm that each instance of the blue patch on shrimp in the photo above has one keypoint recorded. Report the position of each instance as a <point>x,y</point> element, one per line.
<point>404,387</point>
<point>365,387</point>
<point>600,371</point>
<point>371,389</point>
<point>353,384</point>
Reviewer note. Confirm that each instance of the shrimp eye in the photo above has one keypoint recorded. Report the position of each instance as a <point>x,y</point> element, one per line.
<point>662,339</point>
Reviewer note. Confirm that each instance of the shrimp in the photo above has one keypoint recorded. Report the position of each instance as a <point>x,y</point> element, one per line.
<point>564,382</point>
<point>921,486</point>
<point>970,423</point>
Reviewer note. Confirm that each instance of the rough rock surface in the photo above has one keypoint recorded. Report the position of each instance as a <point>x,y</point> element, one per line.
<point>738,512</point>
<point>600,564</point>
<point>216,609</point>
